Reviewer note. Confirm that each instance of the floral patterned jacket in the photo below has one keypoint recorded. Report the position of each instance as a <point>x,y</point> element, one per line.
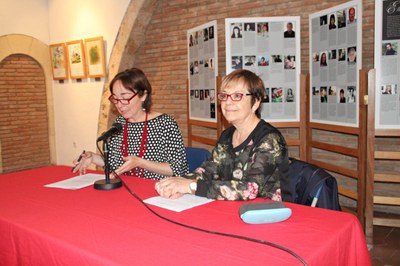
<point>253,169</point>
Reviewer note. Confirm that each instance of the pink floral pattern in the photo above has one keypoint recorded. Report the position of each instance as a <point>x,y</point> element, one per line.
<point>251,192</point>
<point>277,195</point>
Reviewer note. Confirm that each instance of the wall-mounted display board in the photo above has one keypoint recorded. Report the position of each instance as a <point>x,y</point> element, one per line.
<point>387,64</point>
<point>202,47</point>
<point>270,47</point>
<point>335,61</point>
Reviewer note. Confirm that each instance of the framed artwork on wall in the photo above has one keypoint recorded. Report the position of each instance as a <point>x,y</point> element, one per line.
<point>58,56</point>
<point>76,59</point>
<point>95,61</point>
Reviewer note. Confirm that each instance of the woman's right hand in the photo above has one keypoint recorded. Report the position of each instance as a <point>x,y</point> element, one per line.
<point>83,164</point>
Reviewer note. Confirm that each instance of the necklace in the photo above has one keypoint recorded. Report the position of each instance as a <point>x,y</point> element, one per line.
<point>143,145</point>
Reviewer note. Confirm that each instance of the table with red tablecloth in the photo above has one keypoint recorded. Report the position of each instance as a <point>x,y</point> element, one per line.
<point>52,226</point>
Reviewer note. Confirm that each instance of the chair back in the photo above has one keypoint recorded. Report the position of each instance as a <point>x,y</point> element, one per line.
<point>196,156</point>
<point>313,186</point>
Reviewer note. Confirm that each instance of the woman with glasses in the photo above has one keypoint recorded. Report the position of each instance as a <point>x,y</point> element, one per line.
<point>150,144</point>
<point>250,158</point>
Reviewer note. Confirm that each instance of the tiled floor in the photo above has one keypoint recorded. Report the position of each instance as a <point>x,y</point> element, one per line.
<point>386,246</point>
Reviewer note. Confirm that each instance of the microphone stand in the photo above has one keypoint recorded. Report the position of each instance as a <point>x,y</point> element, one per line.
<point>108,183</point>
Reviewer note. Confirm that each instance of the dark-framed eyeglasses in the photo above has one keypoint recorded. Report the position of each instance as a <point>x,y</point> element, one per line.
<point>122,101</point>
<point>237,96</point>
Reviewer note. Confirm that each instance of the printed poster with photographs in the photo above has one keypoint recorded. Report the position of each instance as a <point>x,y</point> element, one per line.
<point>202,71</point>
<point>270,47</point>
<point>335,60</point>
<point>387,64</point>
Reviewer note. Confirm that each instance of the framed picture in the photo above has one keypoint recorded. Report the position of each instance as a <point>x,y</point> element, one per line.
<point>94,50</point>
<point>58,57</point>
<point>76,59</point>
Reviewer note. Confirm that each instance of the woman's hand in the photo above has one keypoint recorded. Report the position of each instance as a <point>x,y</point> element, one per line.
<point>173,187</point>
<point>86,159</point>
<point>130,162</point>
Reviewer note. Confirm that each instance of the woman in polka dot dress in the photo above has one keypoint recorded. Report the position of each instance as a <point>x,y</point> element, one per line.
<point>150,144</point>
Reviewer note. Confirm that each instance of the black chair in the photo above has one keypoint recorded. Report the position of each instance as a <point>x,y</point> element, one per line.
<point>313,186</point>
<point>196,156</point>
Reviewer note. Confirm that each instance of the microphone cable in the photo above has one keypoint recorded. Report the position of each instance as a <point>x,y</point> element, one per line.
<point>260,241</point>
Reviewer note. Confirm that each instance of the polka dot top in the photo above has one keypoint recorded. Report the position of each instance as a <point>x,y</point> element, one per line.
<point>165,144</point>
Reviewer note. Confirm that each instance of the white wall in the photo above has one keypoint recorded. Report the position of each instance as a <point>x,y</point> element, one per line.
<point>25,17</point>
<point>76,105</point>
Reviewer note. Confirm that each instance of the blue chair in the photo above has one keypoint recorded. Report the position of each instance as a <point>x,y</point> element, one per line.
<point>196,156</point>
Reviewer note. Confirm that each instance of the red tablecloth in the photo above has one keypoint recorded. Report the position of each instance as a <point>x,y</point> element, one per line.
<point>51,226</point>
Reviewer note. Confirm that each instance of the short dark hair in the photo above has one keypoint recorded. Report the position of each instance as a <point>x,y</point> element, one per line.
<point>135,80</point>
<point>251,81</point>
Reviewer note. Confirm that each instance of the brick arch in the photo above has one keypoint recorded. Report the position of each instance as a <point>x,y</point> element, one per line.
<point>23,106</point>
<point>130,37</point>
<point>38,53</point>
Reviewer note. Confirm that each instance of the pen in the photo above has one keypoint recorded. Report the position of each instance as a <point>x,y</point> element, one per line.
<point>79,159</point>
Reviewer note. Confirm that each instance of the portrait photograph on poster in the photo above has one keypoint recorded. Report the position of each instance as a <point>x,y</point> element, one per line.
<point>58,57</point>
<point>269,47</point>
<point>335,61</point>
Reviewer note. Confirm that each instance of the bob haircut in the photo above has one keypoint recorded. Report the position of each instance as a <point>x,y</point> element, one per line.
<point>135,80</point>
<point>251,82</point>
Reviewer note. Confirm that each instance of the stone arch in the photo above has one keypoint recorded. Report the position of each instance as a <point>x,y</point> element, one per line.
<point>23,44</point>
<point>131,36</point>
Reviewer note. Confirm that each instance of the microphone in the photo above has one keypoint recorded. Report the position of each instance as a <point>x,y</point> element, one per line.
<point>116,127</point>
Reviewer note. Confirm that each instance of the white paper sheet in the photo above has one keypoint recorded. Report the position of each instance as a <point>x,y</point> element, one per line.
<point>77,182</point>
<point>185,202</point>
